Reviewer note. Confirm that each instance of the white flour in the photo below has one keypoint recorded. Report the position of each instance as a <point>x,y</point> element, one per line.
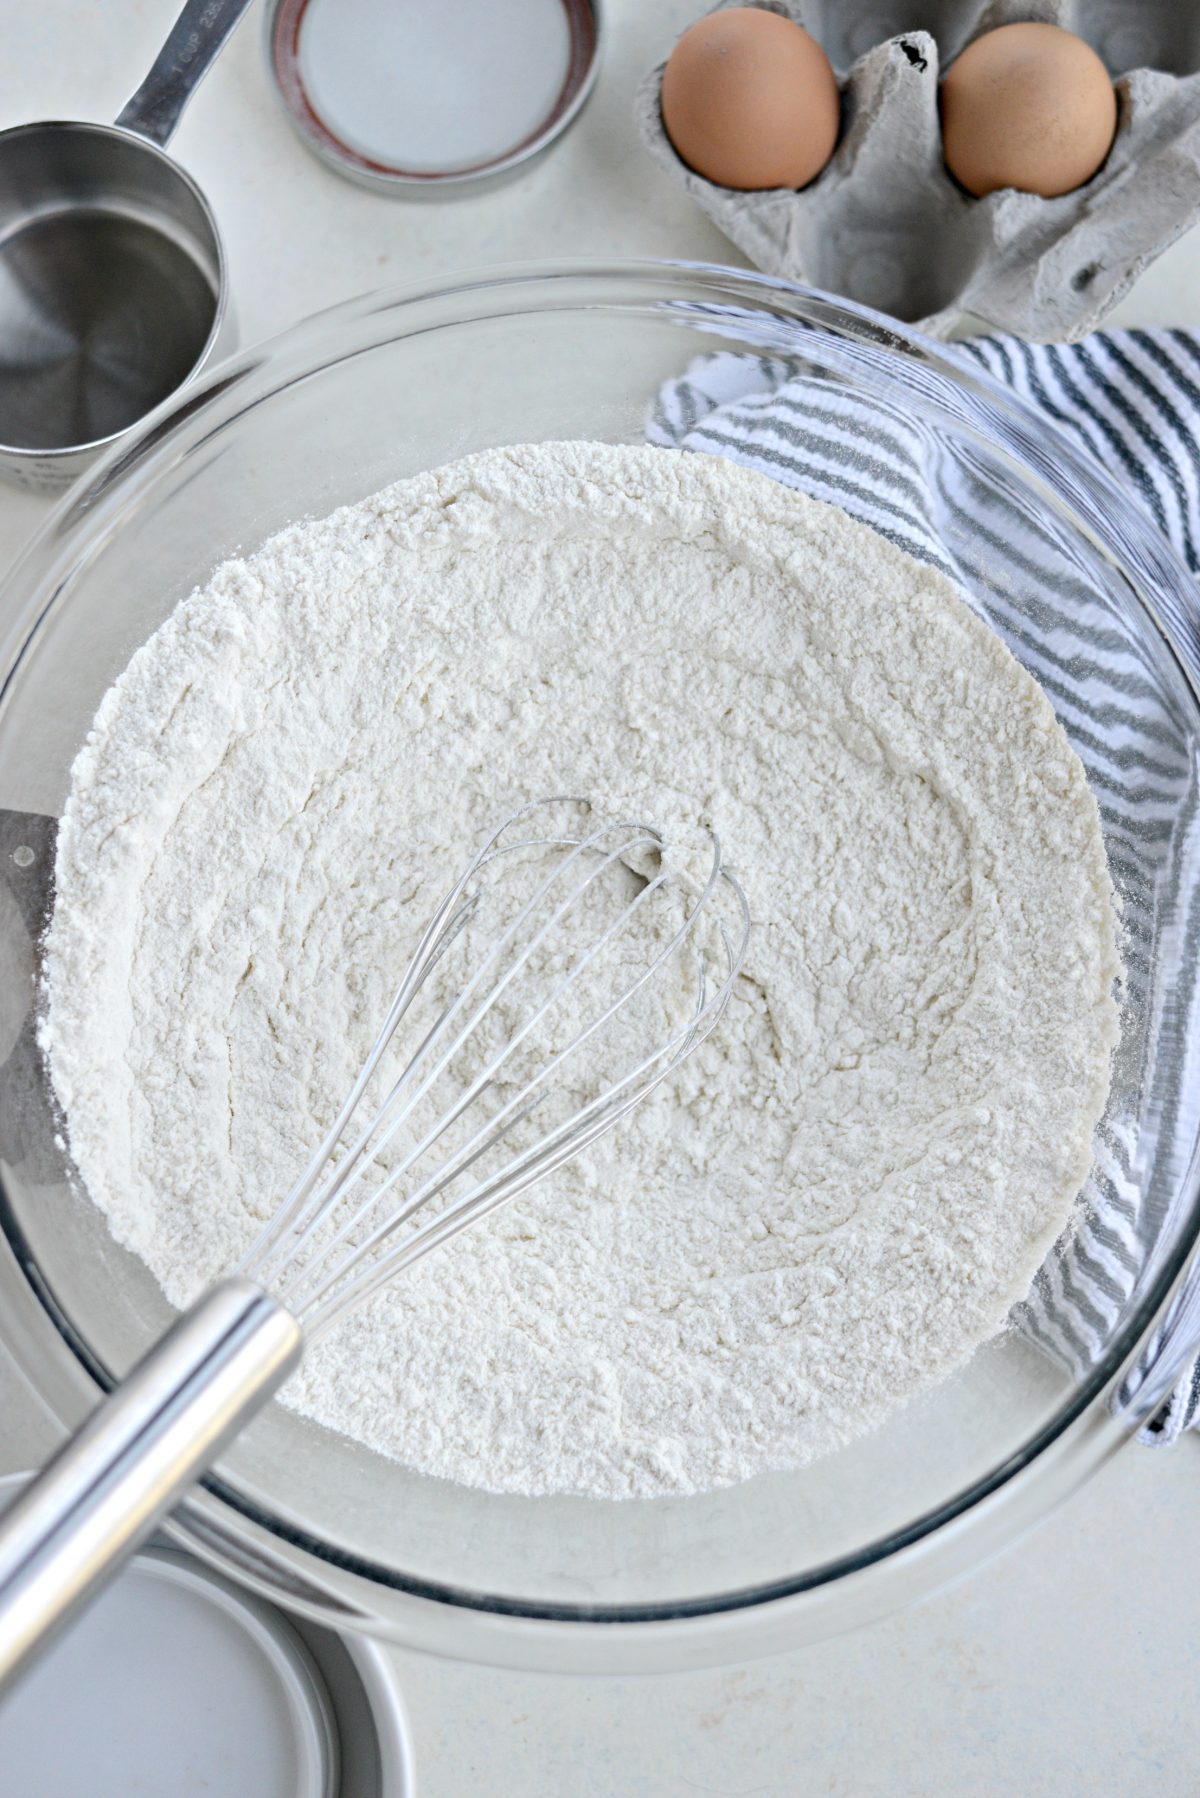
<point>841,1194</point>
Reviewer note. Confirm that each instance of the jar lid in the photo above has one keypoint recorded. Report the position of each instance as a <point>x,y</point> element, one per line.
<point>433,95</point>
<point>171,1683</point>
<point>177,1681</point>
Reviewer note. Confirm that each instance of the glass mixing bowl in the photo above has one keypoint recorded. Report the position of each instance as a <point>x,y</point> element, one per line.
<point>332,410</point>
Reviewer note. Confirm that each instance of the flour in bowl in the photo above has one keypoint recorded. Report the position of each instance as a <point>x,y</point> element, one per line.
<point>841,1193</point>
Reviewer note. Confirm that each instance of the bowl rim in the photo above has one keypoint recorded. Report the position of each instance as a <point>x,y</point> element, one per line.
<point>218,1520</point>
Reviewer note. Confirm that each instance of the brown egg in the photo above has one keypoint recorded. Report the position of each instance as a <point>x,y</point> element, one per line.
<point>749,100</point>
<point>1027,106</point>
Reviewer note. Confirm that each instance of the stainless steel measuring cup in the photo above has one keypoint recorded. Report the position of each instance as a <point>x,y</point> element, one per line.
<point>112,272</point>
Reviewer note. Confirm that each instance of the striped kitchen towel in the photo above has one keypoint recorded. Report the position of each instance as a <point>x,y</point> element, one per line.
<point>1132,399</point>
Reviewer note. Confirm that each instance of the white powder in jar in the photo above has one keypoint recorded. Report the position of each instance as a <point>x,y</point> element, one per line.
<point>841,1194</point>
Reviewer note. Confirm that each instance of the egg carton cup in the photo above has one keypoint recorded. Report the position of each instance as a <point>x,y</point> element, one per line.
<point>886,224</point>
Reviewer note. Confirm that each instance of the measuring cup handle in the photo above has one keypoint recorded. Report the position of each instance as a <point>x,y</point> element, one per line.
<point>197,38</point>
<point>105,1490</point>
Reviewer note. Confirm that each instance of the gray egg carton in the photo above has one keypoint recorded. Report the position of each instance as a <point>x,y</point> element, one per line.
<point>885,224</point>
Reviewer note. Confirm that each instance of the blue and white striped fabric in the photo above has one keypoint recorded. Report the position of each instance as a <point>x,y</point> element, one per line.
<point>1131,399</point>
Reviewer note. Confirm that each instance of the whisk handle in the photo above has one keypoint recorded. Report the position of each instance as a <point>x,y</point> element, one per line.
<point>118,1476</point>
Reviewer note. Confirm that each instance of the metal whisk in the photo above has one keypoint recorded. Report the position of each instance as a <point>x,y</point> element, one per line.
<point>525,1052</point>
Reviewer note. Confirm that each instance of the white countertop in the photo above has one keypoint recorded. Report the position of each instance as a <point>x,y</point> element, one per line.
<point>1070,1666</point>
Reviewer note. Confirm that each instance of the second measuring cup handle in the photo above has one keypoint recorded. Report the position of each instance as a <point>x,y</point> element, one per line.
<point>134,1457</point>
<point>196,39</point>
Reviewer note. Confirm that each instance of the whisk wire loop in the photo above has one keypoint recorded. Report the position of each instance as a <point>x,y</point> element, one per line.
<point>492,1129</point>
<point>333,1299</point>
<point>325,1252</point>
<point>482,1080</point>
<point>442,927</point>
<point>400,1102</point>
